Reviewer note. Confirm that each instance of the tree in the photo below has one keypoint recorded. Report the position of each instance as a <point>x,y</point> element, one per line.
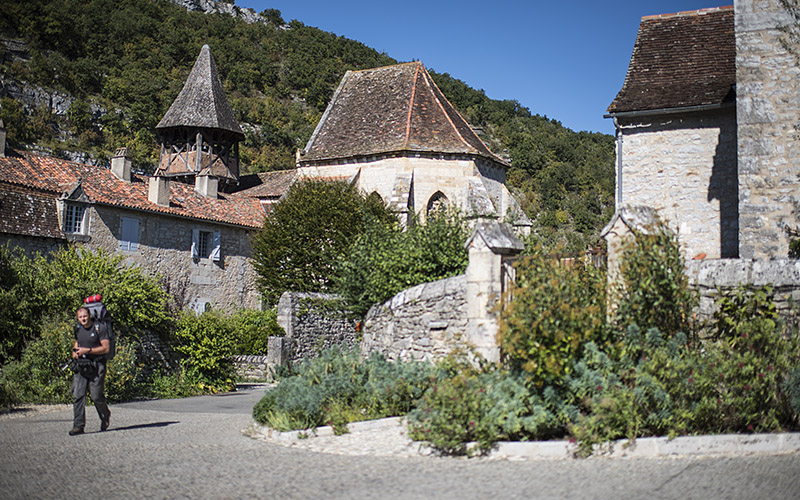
<point>307,232</point>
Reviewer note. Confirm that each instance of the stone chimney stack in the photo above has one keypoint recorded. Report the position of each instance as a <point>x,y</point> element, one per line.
<point>207,185</point>
<point>2,139</point>
<point>158,191</point>
<point>121,164</point>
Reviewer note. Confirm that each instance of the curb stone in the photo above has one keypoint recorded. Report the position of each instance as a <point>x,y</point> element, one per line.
<point>367,437</point>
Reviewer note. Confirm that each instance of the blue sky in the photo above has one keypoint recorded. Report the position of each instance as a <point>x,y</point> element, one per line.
<point>564,60</point>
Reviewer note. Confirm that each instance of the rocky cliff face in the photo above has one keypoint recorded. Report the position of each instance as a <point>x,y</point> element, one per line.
<point>213,7</point>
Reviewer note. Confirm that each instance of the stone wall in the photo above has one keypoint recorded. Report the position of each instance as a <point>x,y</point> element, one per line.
<point>711,276</point>
<point>684,166</point>
<point>313,322</point>
<point>164,248</point>
<point>424,322</point>
<point>32,245</point>
<point>253,367</point>
<point>768,101</point>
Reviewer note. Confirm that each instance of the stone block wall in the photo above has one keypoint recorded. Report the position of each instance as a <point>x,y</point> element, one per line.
<point>685,166</point>
<point>164,248</point>
<point>782,275</point>
<point>768,101</point>
<point>253,367</point>
<point>425,322</point>
<point>313,322</point>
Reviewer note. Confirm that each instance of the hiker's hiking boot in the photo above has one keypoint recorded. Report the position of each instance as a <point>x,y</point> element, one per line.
<point>75,431</point>
<point>104,423</point>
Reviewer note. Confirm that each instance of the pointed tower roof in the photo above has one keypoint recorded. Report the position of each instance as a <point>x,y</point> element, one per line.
<point>391,109</point>
<point>202,103</point>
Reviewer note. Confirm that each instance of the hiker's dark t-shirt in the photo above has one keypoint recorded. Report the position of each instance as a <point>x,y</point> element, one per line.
<point>91,337</point>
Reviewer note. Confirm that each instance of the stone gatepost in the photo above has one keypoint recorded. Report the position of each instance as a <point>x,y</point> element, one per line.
<point>491,246</point>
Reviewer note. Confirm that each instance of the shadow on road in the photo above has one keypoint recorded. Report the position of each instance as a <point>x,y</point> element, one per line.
<point>142,426</point>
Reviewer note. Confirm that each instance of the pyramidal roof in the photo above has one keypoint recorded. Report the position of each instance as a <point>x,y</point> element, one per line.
<point>202,102</point>
<point>391,109</point>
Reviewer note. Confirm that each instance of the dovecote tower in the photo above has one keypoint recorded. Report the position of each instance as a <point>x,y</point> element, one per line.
<point>199,134</point>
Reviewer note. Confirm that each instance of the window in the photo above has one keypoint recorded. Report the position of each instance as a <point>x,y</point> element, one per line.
<point>437,202</point>
<point>206,245</point>
<point>73,218</point>
<point>129,234</point>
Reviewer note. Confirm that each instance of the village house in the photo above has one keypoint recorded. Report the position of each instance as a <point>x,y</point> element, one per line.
<point>177,224</point>
<point>708,139</point>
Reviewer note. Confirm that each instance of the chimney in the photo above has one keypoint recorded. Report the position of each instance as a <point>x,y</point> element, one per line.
<point>121,164</point>
<point>158,191</point>
<point>207,185</point>
<point>2,139</point>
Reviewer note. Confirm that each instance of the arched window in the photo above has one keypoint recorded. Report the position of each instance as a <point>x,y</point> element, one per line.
<point>437,202</point>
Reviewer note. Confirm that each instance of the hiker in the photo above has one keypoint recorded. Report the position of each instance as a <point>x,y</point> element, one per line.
<point>89,352</point>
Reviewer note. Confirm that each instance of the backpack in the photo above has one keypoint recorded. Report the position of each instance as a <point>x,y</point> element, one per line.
<point>101,316</point>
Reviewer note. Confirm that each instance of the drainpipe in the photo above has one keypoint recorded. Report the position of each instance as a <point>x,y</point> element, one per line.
<point>618,130</point>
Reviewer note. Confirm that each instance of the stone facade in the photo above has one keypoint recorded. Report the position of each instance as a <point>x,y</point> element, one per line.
<point>425,322</point>
<point>164,249</point>
<point>685,167</point>
<point>768,101</point>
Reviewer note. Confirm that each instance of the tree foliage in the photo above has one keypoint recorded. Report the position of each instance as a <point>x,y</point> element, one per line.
<point>307,232</point>
<point>386,259</point>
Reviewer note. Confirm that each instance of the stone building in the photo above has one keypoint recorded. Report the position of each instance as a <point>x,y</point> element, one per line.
<point>178,224</point>
<point>707,129</point>
<point>391,131</point>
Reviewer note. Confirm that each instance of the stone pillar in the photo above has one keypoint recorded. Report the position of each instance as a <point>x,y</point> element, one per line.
<point>490,246</point>
<point>206,185</point>
<point>158,191</point>
<point>2,139</point>
<point>121,164</point>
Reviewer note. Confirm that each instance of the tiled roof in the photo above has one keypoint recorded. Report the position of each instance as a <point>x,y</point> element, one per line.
<point>680,60</point>
<point>29,212</point>
<point>202,102</point>
<point>101,186</point>
<point>266,184</point>
<point>391,109</point>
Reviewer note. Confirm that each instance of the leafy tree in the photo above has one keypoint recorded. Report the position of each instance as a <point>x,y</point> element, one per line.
<point>307,232</point>
<point>386,259</point>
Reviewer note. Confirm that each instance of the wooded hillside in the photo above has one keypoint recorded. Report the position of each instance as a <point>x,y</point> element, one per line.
<point>89,77</point>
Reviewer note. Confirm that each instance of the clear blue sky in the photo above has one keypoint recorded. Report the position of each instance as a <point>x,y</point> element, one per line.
<point>565,60</point>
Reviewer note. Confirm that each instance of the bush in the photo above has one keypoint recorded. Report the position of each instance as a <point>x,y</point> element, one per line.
<point>387,259</point>
<point>654,289</point>
<point>338,387</point>
<point>307,232</point>
<point>206,341</point>
<point>33,288</point>
<point>252,329</point>
<point>554,311</point>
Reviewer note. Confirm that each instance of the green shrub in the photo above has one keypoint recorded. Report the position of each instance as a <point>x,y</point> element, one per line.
<point>338,387</point>
<point>654,289</point>
<point>307,232</point>
<point>123,374</point>
<point>252,329</point>
<point>555,310</point>
<point>387,259</point>
<point>206,341</point>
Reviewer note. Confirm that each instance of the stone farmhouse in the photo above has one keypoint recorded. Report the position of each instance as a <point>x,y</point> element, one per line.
<point>389,130</point>
<point>708,139</point>
<point>707,131</point>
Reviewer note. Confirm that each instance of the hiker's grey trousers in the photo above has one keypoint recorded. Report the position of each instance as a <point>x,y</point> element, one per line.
<point>96,388</point>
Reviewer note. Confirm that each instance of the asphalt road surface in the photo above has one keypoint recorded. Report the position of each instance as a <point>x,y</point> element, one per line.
<point>194,449</point>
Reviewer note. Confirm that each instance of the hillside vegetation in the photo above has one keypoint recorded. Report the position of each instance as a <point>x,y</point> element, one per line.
<point>92,76</point>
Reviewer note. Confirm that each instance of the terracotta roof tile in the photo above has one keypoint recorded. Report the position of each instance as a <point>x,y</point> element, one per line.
<point>101,186</point>
<point>391,109</point>
<point>266,184</point>
<point>680,60</point>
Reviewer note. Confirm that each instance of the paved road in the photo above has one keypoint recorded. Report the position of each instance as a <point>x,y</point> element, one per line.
<point>193,448</point>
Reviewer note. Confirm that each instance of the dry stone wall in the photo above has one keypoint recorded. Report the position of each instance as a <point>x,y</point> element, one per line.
<point>425,322</point>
